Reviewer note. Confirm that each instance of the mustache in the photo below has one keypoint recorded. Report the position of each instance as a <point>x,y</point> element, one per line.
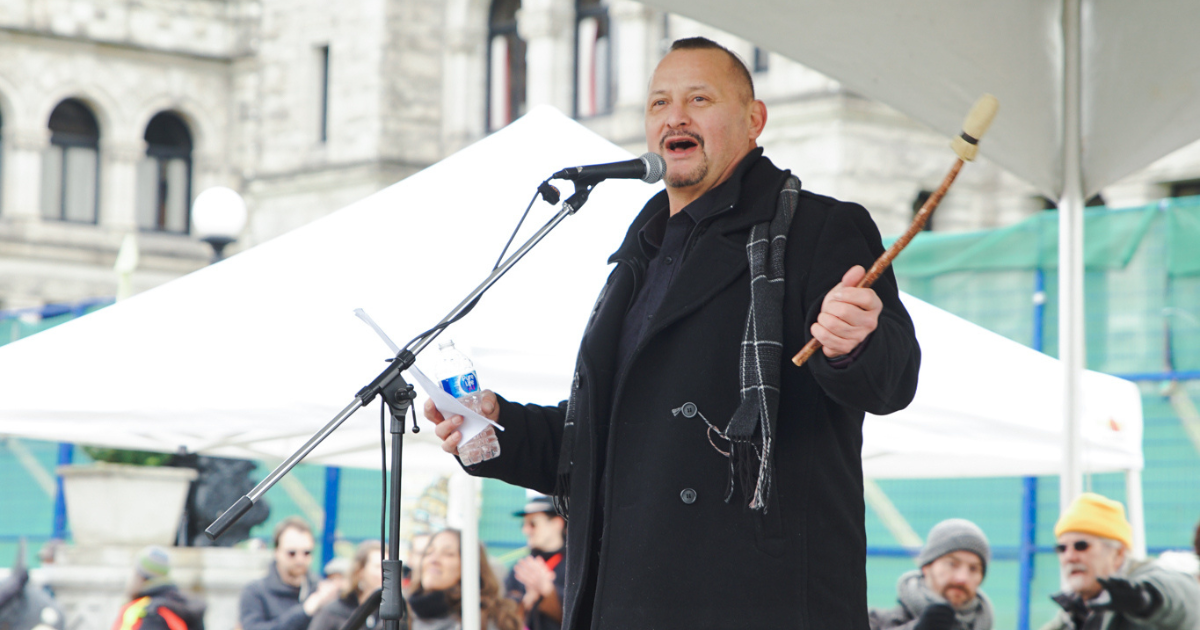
<point>662,144</point>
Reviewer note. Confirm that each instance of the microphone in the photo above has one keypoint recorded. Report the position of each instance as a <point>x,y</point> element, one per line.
<point>649,168</point>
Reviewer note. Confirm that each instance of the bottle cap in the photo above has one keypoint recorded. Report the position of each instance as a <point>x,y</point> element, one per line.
<point>448,343</point>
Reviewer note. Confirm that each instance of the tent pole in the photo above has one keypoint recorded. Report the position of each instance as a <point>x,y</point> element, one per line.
<point>464,493</point>
<point>66,452</point>
<point>333,482</point>
<point>1070,260</point>
<point>1137,511</point>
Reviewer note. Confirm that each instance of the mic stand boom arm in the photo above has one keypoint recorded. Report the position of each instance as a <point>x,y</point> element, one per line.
<point>399,396</point>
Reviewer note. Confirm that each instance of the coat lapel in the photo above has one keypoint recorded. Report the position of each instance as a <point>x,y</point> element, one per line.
<point>719,255</point>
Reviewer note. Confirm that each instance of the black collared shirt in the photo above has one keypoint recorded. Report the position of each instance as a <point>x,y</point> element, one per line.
<point>664,241</point>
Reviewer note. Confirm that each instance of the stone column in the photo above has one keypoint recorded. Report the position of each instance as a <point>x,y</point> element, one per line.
<point>22,186</point>
<point>464,93</point>
<point>118,184</point>
<point>635,51</point>
<point>548,28</point>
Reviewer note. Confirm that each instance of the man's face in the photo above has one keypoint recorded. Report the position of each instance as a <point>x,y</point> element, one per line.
<point>543,531</point>
<point>700,118</point>
<point>955,576</point>
<point>1081,567</point>
<point>293,556</point>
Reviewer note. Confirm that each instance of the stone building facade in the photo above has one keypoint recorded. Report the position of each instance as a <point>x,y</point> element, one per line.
<point>305,106</point>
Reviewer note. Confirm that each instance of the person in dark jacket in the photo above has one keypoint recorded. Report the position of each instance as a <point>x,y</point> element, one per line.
<point>708,481</point>
<point>364,577</point>
<point>23,604</point>
<point>288,597</point>
<point>156,603</point>
<point>537,580</point>
<point>944,593</point>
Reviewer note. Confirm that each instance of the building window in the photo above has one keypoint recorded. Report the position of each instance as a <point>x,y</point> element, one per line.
<point>1094,201</point>
<point>323,95</point>
<point>593,59</point>
<point>1190,188</point>
<point>506,65</point>
<point>762,60</point>
<point>71,165</point>
<point>164,190</point>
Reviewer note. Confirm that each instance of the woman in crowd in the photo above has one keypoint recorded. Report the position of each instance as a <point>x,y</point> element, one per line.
<point>436,602</point>
<point>366,576</point>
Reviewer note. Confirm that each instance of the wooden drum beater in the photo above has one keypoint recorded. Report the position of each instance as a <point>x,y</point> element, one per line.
<point>966,145</point>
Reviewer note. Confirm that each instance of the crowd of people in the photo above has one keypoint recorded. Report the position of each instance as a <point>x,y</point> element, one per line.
<point>1105,586</point>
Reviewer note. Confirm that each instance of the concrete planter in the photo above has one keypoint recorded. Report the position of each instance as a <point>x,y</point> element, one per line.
<point>122,504</point>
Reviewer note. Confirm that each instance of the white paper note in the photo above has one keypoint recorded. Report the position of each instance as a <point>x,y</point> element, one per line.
<point>473,423</point>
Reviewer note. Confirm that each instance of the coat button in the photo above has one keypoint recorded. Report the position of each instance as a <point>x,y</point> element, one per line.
<point>688,496</point>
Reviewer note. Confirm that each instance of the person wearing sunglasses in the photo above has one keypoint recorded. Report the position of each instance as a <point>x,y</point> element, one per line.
<point>944,593</point>
<point>288,597</point>
<point>1106,587</point>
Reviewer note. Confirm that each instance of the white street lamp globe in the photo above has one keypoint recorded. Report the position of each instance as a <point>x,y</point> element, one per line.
<point>218,216</point>
<point>219,212</point>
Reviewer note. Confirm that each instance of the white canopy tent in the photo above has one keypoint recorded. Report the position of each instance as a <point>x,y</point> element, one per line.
<point>1089,90</point>
<point>250,356</point>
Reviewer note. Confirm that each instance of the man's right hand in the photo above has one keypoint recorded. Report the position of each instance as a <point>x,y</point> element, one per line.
<point>447,428</point>
<point>937,617</point>
<point>326,592</point>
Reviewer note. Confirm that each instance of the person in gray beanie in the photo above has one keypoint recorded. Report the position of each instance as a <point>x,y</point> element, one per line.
<point>944,593</point>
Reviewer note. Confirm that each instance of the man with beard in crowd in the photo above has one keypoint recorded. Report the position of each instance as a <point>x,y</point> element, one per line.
<point>1108,589</point>
<point>287,598</point>
<point>944,593</point>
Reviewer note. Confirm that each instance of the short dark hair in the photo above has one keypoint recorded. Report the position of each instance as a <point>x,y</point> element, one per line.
<point>291,522</point>
<point>704,43</point>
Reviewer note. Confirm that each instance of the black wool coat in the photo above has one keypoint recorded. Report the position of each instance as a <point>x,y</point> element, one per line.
<point>663,549</point>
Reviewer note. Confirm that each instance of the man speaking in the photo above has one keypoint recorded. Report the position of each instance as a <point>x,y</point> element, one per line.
<point>707,481</point>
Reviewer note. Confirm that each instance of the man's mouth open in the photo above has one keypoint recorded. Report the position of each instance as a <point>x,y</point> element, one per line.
<point>680,146</point>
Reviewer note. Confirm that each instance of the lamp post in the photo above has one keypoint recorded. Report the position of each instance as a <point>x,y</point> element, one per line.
<point>218,216</point>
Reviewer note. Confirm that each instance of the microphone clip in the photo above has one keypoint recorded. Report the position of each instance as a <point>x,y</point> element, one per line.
<point>549,192</point>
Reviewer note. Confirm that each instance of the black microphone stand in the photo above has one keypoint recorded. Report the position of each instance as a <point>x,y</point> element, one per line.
<point>398,396</point>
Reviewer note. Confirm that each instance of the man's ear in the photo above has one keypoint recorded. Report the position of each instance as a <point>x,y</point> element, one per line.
<point>1120,556</point>
<point>758,118</point>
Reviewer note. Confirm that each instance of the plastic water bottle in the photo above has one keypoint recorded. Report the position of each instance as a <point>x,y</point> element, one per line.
<point>458,378</point>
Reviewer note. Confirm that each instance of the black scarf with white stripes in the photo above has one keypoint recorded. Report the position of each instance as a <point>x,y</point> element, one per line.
<point>751,431</point>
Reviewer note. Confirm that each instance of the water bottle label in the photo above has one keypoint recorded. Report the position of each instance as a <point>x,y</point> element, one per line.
<point>461,385</point>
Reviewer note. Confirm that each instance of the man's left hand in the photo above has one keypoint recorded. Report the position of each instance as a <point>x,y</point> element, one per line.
<point>848,315</point>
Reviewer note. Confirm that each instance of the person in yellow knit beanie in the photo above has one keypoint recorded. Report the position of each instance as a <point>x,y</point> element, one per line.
<point>1106,588</point>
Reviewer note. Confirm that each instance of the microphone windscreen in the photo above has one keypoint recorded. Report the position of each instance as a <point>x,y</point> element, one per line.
<point>656,167</point>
